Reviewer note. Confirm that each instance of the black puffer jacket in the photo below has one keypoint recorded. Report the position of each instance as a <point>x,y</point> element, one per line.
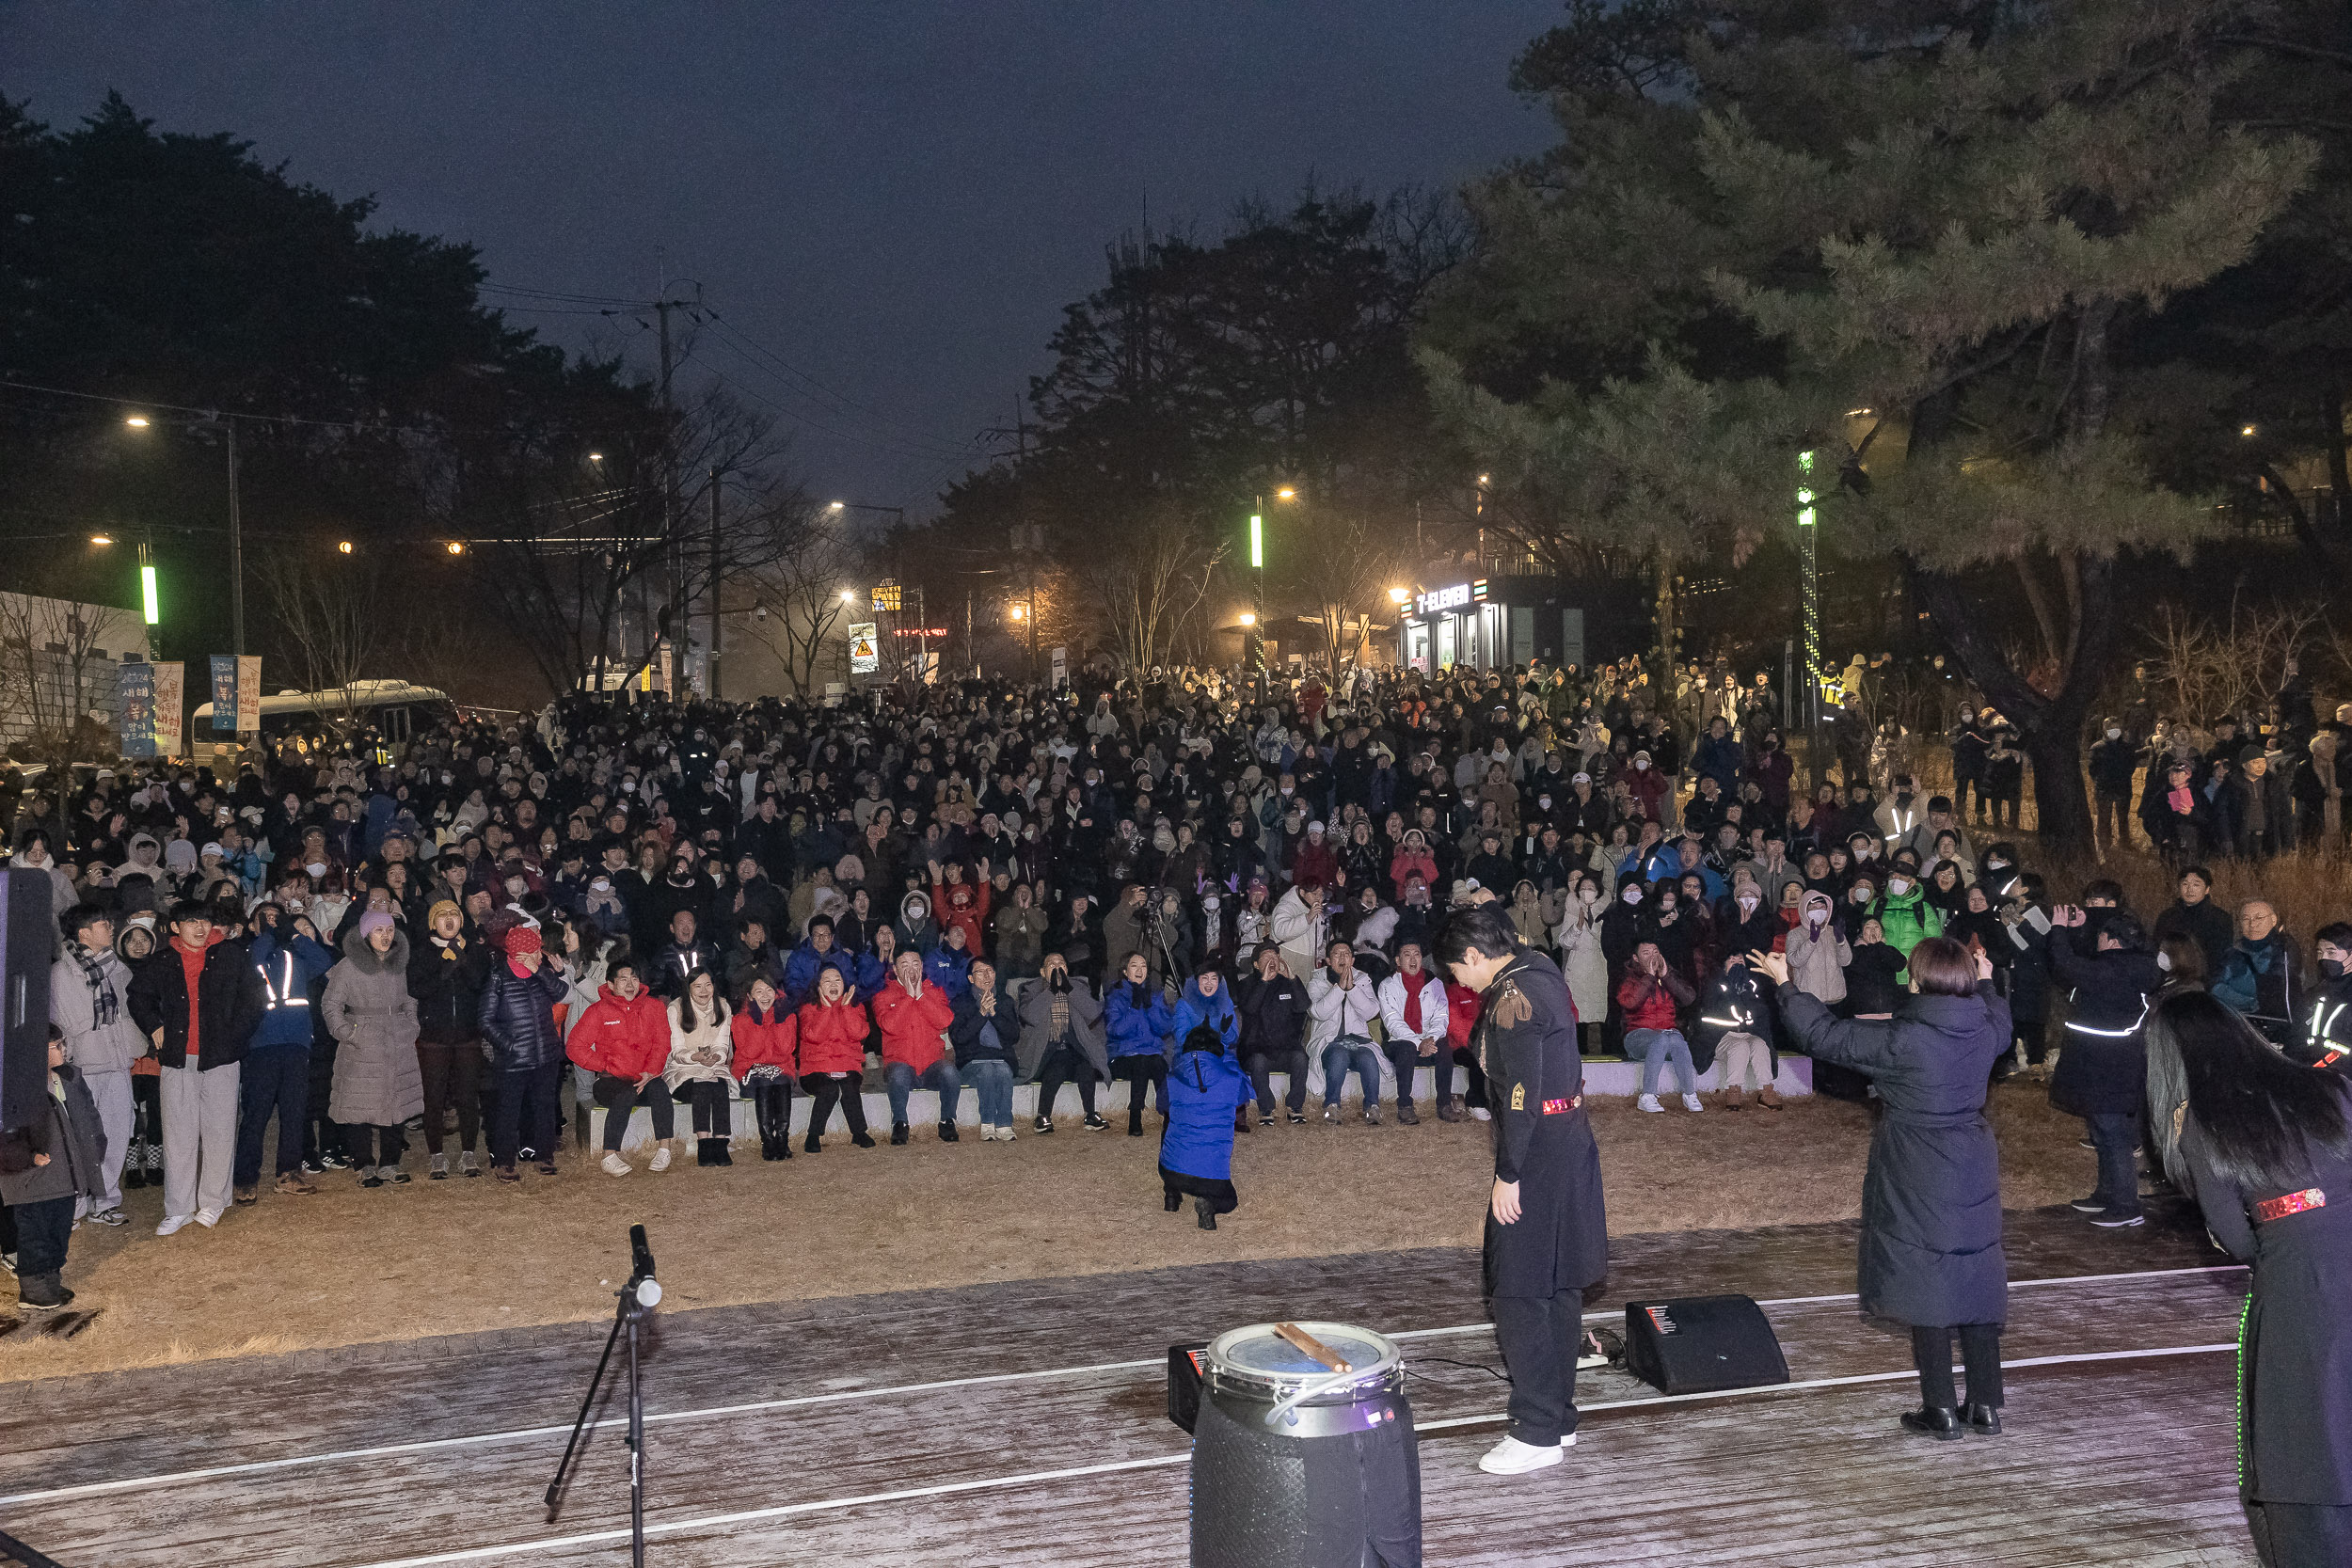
<point>517,1015</point>
<point>2103,1067</point>
<point>447,983</point>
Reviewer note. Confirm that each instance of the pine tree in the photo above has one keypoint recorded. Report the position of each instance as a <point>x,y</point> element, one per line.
<point>1926,236</point>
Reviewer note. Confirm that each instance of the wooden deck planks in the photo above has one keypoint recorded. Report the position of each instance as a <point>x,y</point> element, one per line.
<point>355,1512</point>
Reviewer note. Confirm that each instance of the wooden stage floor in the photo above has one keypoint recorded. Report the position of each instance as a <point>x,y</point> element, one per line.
<point>1023,1424</point>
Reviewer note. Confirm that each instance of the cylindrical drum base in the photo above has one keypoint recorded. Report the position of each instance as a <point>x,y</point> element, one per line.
<point>1333,1483</point>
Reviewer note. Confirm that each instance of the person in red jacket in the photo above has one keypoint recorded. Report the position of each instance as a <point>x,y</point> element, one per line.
<point>767,1059</point>
<point>833,1031</point>
<point>914,1014</point>
<point>1652,996</point>
<point>1461,1027</point>
<point>624,1038</point>
<point>960,903</point>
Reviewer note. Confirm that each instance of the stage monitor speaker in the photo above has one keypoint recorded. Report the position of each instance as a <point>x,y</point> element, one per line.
<point>28,923</point>
<point>1186,1367</point>
<point>1702,1345</point>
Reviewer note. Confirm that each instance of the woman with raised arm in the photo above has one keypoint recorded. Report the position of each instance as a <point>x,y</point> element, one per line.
<point>1931,1253</point>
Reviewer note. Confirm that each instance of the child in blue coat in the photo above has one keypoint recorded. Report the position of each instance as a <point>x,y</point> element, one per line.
<point>1205,1087</point>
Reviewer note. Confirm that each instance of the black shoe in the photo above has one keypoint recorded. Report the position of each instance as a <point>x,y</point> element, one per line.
<point>1935,1421</point>
<point>545,1167</point>
<point>41,1292</point>
<point>863,1140</point>
<point>370,1179</point>
<point>721,1151</point>
<point>1135,1126</point>
<point>2093,1205</point>
<point>1264,1119</point>
<point>1405,1117</point>
<point>1298,1119</point>
<point>1041,1125</point>
<point>947,1133</point>
<point>702,1152</point>
<point>1983,1418</point>
<point>1095,1123</point>
<point>2115,1219</point>
<point>1174,1201</point>
<point>812,1145</point>
<point>897,1134</point>
<point>1207,1211</point>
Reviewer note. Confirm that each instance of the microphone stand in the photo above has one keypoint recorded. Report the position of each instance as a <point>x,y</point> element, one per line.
<point>638,1299</point>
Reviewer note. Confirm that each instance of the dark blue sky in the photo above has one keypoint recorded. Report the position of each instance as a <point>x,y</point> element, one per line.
<point>897,199</point>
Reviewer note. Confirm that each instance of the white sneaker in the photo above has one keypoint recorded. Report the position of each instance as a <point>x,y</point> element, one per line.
<point>1480,1112</point>
<point>173,1224</point>
<point>1004,1133</point>
<point>613,1165</point>
<point>1649,1103</point>
<point>1569,1441</point>
<point>1691,1102</point>
<point>661,1157</point>
<point>208,1217</point>
<point>1511,1457</point>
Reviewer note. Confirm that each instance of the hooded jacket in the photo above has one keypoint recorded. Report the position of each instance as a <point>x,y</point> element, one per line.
<point>368,1010</point>
<point>1817,955</point>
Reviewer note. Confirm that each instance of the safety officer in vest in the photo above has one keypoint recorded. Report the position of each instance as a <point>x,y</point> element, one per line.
<point>287,951</point>
<point>2328,1027</point>
<point>1547,1233</point>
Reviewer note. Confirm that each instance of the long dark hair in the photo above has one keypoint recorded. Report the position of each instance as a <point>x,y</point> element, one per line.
<point>2263,1116</point>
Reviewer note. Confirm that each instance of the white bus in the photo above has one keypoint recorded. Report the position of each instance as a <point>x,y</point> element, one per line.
<point>394,710</point>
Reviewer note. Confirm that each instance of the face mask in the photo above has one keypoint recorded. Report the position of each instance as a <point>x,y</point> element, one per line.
<point>1816,918</point>
<point>2115,735</point>
<point>316,868</point>
<point>1587,895</point>
<point>1641,765</point>
<point>1896,887</point>
<point>628,786</point>
<point>2332,968</point>
<point>1747,906</point>
<point>1633,895</point>
<point>1544,802</point>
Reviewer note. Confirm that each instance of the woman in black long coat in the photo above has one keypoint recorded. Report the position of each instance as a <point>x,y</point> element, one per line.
<point>1932,1201</point>
<point>2266,1148</point>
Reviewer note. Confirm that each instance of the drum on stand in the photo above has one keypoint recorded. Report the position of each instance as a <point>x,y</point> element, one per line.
<point>1298,1466</point>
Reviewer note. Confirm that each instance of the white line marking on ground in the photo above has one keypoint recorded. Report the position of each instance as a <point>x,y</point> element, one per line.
<point>1033,1477</point>
<point>393,1451</point>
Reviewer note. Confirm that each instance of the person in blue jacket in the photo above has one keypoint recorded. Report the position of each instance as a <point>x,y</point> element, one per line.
<point>814,955</point>
<point>276,1074</point>
<point>1205,1087</point>
<point>949,965</point>
<point>1204,1000</point>
<point>1131,1023</point>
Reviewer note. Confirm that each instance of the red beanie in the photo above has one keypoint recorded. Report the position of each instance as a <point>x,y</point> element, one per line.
<point>522,940</point>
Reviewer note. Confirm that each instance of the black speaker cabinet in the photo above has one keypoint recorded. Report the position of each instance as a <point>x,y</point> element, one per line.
<point>1702,1344</point>
<point>1186,1366</point>
<point>26,924</point>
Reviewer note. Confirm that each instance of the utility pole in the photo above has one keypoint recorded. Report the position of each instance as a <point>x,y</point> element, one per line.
<point>1257,603</point>
<point>714,585</point>
<point>1808,529</point>
<point>236,556</point>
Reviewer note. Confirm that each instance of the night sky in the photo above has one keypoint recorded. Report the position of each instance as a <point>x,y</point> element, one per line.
<point>896,199</point>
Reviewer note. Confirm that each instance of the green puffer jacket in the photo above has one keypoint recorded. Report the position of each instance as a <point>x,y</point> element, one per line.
<point>1908,921</point>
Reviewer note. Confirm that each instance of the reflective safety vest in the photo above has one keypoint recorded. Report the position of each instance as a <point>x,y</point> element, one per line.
<point>286,991</point>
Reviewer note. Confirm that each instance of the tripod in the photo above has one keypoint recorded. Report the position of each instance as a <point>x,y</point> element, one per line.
<point>638,1298</point>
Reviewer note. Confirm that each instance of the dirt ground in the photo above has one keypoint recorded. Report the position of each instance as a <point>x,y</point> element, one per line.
<point>350,1266</point>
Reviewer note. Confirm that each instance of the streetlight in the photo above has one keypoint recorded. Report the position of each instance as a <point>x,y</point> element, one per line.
<point>343,545</point>
<point>848,597</point>
<point>236,541</point>
<point>456,547</point>
<point>1248,618</point>
<point>1257,566</point>
<point>100,539</point>
<point>1398,595</point>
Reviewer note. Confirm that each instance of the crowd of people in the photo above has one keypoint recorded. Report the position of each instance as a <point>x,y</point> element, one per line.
<point>638,906</point>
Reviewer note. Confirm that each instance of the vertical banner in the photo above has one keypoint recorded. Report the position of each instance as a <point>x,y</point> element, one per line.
<point>864,656</point>
<point>249,693</point>
<point>171,708</point>
<point>135,695</point>
<point>223,694</point>
<point>1062,668</point>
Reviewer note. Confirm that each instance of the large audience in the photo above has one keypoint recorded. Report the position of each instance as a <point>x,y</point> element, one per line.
<point>688,914</point>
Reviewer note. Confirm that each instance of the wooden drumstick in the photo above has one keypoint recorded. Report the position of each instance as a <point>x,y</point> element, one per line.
<point>1311,1347</point>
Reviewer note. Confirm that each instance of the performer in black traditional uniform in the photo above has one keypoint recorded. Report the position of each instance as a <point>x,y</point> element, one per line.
<point>1547,1233</point>
<point>2265,1145</point>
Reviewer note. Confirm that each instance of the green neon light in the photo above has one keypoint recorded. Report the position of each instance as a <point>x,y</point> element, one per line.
<point>147,595</point>
<point>1804,462</point>
<point>1804,497</point>
<point>1257,539</point>
<point>1806,518</point>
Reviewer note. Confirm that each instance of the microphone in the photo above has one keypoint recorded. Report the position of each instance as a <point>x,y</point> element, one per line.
<point>642,1283</point>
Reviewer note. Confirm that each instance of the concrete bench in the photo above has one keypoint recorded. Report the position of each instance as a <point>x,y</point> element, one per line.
<point>1612,1076</point>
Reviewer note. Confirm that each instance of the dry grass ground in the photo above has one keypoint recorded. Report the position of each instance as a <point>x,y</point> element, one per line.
<point>350,1266</point>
